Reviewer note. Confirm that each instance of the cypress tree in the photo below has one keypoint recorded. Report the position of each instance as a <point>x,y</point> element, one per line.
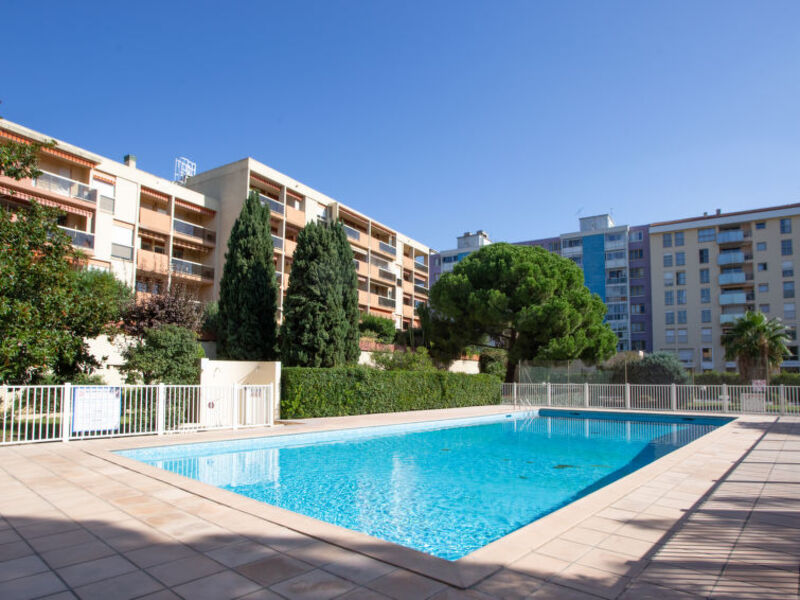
<point>248,295</point>
<point>314,319</point>
<point>349,295</point>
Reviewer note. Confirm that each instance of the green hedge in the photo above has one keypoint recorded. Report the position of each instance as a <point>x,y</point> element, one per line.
<point>338,392</point>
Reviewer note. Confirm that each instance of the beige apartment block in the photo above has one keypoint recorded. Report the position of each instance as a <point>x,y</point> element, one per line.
<point>708,271</point>
<point>392,268</point>
<point>149,231</point>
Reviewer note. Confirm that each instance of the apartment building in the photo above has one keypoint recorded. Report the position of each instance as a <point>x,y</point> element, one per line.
<point>392,268</point>
<point>148,231</point>
<point>708,271</point>
<point>616,264</point>
<point>153,233</point>
<point>444,260</point>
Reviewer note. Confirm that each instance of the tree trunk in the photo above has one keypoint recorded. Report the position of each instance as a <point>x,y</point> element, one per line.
<point>511,366</point>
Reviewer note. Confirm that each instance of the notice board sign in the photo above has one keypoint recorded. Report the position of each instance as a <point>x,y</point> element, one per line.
<point>95,408</point>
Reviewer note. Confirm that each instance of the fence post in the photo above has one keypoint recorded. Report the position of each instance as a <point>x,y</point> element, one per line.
<point>236,390</point>
<point>724,397</point>
<point>161,408</point>
<point>271,405</point>
<point>673,397</point>
<point>586,395</point>
<point>66,412</point>
<point>627,396</point>
<point>782,399</point>
<point>514,394</point>
<point>549,395</point>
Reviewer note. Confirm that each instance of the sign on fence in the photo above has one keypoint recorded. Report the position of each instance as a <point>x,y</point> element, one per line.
<point>95,408</point>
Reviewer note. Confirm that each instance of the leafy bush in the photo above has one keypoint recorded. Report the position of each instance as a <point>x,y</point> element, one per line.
<point>660,368</point>
<point>785,379</point>
<point>493,362</point>
<point>401,360</point>
<point>718,378</point>
<point>169,354</point>
<point>210,324</point>
<point>173,307</point>
<point>342,391</point>
<point>384,328</point>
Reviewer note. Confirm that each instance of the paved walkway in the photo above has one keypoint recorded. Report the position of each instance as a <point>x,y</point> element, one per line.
<point>74,525</point>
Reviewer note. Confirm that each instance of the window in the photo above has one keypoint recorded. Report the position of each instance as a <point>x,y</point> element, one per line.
<point>679,238</point>
<point>637,327</point>
<point>637,272</point>
<point>705,334</point>
<point>786,247</point>
<point>669,317</point>
<point>669,298</point>
<point>761,246</point>
<point>786,226</point>
<point>704,256</point>
<point>572,243</point>
<point>669,278</point>
<point>637,290</point>
<point>638,345</point>
<point>667,240</point>
<point>705,295</point>
<point>761,225</point>
<point>705,235</point>
<point>704,276</point>
<point>681,277</point>
<point>793,353</point>
<point>668,260</point>
<point>706,354</point>
<point>683,336</point>
<point>763,288</point>
<point>637,309</point>
<point>669,336</point>
<point>681,296</point>
<point>635,236</point>
<point>788,289</point>
<point>791,332</point>
<point>680,258</point>
<point>682,317</point>
<point>615,255</point>
<point>705,315</point>
<point>636,254</point>
<point>764,308</point>
<point>762,266</point>
<point>787,268</point>
<point>789,311</point>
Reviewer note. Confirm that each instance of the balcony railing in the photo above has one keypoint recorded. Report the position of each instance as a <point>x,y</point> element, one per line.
<point>352,233</point>
<point>732,258</point>
<point>387,275</point>
<point>388,302</point>
<point>729,278</point>
<point>80,239</point>
<point>616,280</point>
<point>730,318</point>
<point>418,289</point>
<point>121,251</point>
<point>733,298</point>
<point>277,242</point>
<point>421,266</point>
<point>190,268</point>
<point>388,248</point>
<point>278,276</point>
<point>732,236</point>
<point>65,186</point>
<point>274,205</point>
<point>193,230</point>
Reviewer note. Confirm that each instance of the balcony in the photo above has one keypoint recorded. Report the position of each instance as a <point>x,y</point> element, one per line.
<point>289,247</point>
<point>64,186</point>
<point>616,280</point>
<point>380,246</point>
<point>616,263</point>
<point>361,267</point>
<point>121,251</point>
<point>80,239</point>
<point>386,275</point>
<point>363,297</point>
<point>733,298</point>
<point>387,302</point>
<point>420,290</point>
<point>732,236</point>
<point>274,206</point>
<point>196,231</point>
<point>728,319</point>
<point>185,267</point>
<point>615,244</point>
<point>277,242</point>
<point>352,233</point>
<point>154,220</point>
<point>421,266</point>
<point>732,278</point>
<point>733,258</point>
<point>152,262</point>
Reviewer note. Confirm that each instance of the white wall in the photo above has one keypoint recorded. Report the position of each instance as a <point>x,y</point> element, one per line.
<point>245,372</point>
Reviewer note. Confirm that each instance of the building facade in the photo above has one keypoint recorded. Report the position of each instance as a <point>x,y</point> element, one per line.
<point>615,263</point>
<point>444,260</point>
<point>153,233</point>
<point>708,271</point>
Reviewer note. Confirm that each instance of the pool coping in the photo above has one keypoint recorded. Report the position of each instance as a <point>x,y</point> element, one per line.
<point>465,571</point>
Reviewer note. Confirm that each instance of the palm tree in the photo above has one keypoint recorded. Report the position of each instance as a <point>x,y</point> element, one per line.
<point>757,344</point>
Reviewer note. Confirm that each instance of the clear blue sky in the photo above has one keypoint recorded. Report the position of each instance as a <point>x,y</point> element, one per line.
<point>434,117</point>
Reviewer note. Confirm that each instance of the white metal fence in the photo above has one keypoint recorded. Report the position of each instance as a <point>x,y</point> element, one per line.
<point>727,399</point>
<point>41,413</point>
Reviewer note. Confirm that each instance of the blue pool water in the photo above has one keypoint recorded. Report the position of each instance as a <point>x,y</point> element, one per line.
<point>442,487</point>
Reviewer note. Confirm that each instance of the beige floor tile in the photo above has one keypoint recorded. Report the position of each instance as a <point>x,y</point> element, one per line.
<point>552,591</point>
<point>539,566</point>
<point>359,568</point>
<point>648,591</point>
<point>404,585</point>
<point>123,587</point>
<point>95,570</point>
<point>220,586</point>
<point>63,557</point>
<point>362,593</point>
<point>274,569</point>
<point>314,585</point>
<point>591,580</point>
<point>564,549</point>
<point>510,585</point>
<point>583,535</point>
<point>242,553</point>
<point>21,567</point>
<point>35,586</point>
<point>613,562</point>
<point>184,569</point>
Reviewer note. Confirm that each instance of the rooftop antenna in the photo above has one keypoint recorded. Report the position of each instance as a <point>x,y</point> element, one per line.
<point>184,168</point>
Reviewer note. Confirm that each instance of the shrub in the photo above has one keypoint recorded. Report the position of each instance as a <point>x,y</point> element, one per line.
<point>660,368</point>
<point>169,354</point>
<point>717,378</point>
<point>383,327</point>
<point>404,360</point>
<point>343,391</point>
<point>785,379</point>
<point>493,362</point>
<point>176,306</point>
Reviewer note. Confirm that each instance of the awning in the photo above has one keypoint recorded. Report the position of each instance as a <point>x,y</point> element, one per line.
<point>266,182</point>
<point>188,245</point>
<point>195,207</point>
<point>7,191</point>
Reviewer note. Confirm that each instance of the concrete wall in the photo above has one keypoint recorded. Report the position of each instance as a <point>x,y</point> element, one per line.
<point>109,354</point>
<point>457,366</point>
<point>245,372</point>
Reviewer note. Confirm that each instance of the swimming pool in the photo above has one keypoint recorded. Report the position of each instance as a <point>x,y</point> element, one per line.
<point>445,488</point>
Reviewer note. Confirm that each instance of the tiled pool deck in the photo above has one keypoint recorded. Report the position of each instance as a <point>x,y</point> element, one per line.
<point>719,518</point>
